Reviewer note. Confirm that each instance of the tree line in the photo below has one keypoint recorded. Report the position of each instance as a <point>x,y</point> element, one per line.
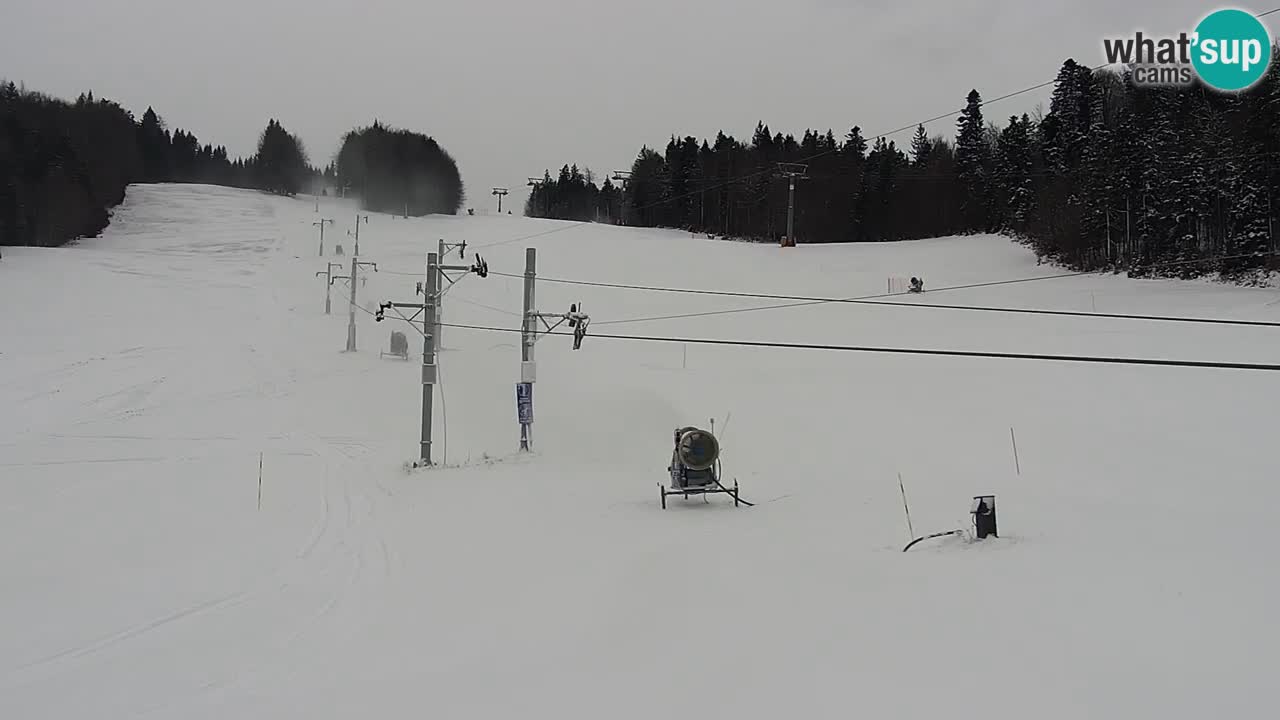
<point>64,165</point>
<point>573,195</point>
<point>1115,175</point>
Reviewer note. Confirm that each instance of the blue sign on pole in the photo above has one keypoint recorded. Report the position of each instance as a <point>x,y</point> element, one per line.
<point>524,402</point>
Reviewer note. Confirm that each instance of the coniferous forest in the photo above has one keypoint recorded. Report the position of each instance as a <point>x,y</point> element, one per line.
<point>64,165</point>
<point>1114,175</point>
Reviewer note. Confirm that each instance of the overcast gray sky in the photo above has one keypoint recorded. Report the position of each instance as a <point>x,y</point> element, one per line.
<point>513,87</point>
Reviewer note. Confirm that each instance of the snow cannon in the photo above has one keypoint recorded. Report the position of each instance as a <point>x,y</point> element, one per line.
<point>696,452</point>
<point>695,466</point>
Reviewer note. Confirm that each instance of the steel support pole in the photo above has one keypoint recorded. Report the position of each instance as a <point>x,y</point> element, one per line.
<point>528,333</point>
<point>791,212</point>
<point>351,310</point>
<point>428,352</point>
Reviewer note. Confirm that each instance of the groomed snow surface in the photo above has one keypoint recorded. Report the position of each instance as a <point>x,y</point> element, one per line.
<point>143,374</point>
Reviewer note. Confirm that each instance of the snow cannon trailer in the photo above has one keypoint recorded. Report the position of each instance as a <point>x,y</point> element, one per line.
<point>695,467</point>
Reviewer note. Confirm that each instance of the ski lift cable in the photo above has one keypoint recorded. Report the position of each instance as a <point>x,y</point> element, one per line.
<point>1091,359</point>
<point>878,299</point>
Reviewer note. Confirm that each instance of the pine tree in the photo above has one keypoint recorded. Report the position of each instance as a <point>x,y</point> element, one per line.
<point>281,161</point>
<point>853,157</point>
<point>1014,174</point>
<point>1100,177</point>
<point>155,148</point>
<point>609,198</point>
<point>972,157</point>
<point>645,191</point>
<point>675,212</point>
<point>920,147</point>
<point>691,203</point>
<point>726,155</point>
<point>1066,126</point>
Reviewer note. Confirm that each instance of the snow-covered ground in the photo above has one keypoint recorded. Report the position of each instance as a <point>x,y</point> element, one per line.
<point>144,373</point>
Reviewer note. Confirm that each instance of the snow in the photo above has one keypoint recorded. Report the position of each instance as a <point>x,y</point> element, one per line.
<point>144,373</point>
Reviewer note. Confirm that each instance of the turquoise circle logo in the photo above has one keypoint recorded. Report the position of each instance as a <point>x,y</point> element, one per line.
<point>1232,50</point>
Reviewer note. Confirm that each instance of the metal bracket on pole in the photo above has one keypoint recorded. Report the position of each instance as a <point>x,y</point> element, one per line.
<point>380,316</point>
<point>448,247</point>
<point>479,267</point>
<point>577,320</point>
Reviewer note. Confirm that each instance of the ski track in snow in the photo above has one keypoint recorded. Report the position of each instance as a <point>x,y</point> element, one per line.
<point>1131,577</point>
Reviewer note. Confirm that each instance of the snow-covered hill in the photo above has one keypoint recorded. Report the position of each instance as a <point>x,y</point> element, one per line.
<point>144,373</point>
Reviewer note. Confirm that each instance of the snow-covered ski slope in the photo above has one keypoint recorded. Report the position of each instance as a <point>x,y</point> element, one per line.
<point>143,373</point>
